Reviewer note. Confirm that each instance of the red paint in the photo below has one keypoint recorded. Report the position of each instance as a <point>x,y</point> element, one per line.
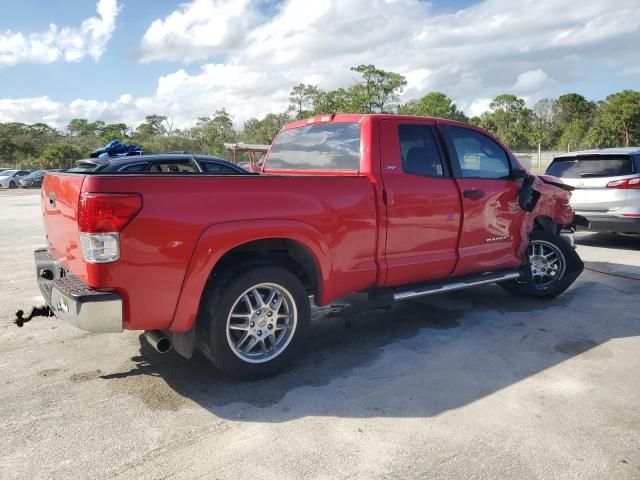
<point>377,226</point>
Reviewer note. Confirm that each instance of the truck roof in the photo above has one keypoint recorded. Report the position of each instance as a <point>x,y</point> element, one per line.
<point>359,118</point>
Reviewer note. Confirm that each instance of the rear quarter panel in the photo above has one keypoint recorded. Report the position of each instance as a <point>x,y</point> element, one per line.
<point>187,223</point>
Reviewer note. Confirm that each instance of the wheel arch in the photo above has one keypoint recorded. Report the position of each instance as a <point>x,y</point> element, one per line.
<point>297,244</point>
<point>546,223</point>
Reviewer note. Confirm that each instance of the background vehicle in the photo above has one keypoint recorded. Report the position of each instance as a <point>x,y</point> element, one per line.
<point>10,178</point>
<point>158,163</point>
<point>34,179</point>
<point>607,186</point>
<point>395,206</point>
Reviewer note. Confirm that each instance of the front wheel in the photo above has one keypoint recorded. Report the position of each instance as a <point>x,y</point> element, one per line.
<point>12,184</point>
<point>253,325</point>
<point>552,265</point>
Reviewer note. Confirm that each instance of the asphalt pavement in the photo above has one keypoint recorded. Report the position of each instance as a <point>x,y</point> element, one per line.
<point>471,384</point>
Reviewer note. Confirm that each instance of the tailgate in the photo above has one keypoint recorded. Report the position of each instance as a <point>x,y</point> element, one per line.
<point>60,196</point>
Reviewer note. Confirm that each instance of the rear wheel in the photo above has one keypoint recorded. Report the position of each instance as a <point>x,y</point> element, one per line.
<point>253,325</point>
<point>12,184</point>
<point>552,266</point>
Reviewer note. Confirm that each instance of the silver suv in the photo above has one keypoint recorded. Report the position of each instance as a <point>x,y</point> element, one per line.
<point>607,186</point>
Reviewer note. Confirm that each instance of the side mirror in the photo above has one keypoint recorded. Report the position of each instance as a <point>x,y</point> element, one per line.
<point>528,196</point>
<point>519,173</point>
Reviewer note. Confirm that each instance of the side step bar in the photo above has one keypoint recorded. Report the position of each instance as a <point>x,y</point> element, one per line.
<point>459,283</point>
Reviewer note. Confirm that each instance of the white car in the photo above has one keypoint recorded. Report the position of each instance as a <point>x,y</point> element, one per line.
<point>11,178</point>
<point>607,186</point>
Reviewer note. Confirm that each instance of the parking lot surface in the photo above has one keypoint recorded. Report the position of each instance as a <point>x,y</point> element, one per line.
<point>473,384</point>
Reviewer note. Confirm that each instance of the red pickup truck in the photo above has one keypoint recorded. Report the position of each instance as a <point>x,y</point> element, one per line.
<point>395,206</point>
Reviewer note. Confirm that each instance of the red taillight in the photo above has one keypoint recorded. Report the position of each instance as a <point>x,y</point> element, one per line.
<point>625,184</point>
<point>107,212</point>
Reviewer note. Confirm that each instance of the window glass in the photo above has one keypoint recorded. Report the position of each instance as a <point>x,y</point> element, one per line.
<point>419,150</point>
<point>591,166</point>
<point>330,146</point>
<point>172,167</point>
<point>138,167</point>
<point>478,155</point>
<point>214,167</point>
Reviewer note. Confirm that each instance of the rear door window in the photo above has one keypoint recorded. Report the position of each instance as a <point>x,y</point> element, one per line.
<point>419,151</point>
<point>591,166</point>
<point>330,146</point>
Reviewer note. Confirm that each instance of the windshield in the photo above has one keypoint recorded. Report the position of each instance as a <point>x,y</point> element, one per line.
<point>8,173</point>
<point>592,166</point>
<point>330,146</point>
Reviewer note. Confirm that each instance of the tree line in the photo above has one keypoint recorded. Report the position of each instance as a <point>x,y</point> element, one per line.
<point>569,122</point>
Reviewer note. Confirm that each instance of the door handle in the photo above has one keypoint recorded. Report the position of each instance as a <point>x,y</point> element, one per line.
<point>473,194</point>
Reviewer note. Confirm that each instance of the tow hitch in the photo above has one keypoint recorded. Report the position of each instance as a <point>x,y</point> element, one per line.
<point>43,311</point>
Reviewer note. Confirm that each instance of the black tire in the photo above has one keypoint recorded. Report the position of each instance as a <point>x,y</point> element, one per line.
<point>573,267</point>
<point>220,297</point>
<point>12,184</point>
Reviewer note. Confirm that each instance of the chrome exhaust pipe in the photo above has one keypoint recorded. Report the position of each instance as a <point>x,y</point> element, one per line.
<point>158,340</point>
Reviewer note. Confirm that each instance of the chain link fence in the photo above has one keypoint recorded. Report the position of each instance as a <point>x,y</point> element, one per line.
<point>537,163</point>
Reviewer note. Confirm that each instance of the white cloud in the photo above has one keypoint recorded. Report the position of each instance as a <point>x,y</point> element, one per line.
<point>198,29</point>
<point>70,44</point>
<point>531,81</point>
<point>493,47</point>
<point>478,107</point>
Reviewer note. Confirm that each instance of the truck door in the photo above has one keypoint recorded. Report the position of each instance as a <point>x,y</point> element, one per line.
<point>492,219</point>
<point>422,203</point>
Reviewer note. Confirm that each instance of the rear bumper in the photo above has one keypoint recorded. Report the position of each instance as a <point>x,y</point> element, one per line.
<point>612,223</point>
<point>73,301</point>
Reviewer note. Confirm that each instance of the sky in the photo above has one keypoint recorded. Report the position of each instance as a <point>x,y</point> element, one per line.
<point>120,60</point>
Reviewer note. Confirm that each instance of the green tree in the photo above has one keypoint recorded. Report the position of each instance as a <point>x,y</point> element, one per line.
<point>159,124</point>
<point>433,104</point>
<point>542,133</point>
<point>211,133</point>
<point>574,135</point>
<point>509,119</point>
<point>378,90</point>
<point>265,130</point>
<point>570,107</point>
<point>60,155</point>
<point>572,117</point>
<point>341,100</point>
<point>81,127</point>
<point>114,131</point>
<point>617,120</point>
<point>303,100</point>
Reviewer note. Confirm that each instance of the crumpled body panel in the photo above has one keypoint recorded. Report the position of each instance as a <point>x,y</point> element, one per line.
<point>553,203</point>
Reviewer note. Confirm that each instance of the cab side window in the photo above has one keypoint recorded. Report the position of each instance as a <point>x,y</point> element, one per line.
<point>172,167</point>
<point>213,167</point>
<point>419,151</point>
<point>136,167</point>
<point>478,155</point>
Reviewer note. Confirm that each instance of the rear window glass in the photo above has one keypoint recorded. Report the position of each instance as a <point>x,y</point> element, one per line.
<point>591,166</point>
<point>332,146</point>
<point>213,167</point>
<point>137,167</point>
<point>172,167</point>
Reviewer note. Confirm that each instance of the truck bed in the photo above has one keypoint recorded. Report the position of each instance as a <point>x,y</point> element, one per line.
<point>179,211</point>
